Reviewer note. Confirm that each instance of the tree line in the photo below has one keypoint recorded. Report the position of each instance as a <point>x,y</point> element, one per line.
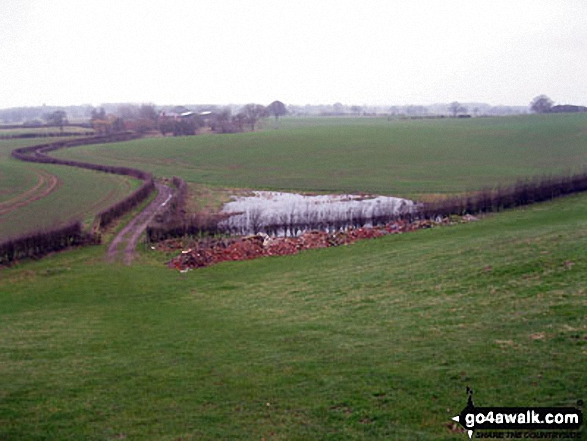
<point>181,121</point>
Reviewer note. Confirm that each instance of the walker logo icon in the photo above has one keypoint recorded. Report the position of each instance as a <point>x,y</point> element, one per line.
<point>517,420</point>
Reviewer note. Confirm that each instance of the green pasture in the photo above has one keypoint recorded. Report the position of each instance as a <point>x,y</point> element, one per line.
<point>376,340</point>
<point>406,158</point>
<point>44,130</point>
<point>15,176</point>
<point>80,195</point>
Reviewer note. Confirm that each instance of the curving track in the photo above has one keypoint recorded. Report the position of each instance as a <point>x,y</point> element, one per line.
<point>130,234</point>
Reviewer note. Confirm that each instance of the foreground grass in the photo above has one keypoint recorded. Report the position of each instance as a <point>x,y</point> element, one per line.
<point>377,340</point>
<point>404,158</point>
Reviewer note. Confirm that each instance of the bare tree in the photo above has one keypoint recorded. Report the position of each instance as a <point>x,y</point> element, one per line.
<point>57,118</point>
<point>253,112</point>
<point>455,108</point>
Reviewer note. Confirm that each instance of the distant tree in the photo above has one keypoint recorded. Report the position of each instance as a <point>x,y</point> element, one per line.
<point>166,125</point>
<point>416,110</point>
<point>57,118</point>
<point>455,108</point>
<point>277,109</point>
<point>118,124</point>
<point>147,111</point>
<point>541,104</point>
<point>338,108</point>
<point>356,109</point>
<point>142,125</point>
<point>224,122</point>
<point>185,127</point>
<point>253,112</point>
<point>128,112</point>
<point>98,114</point>
<point>239,120</point>
<point>224,114</point>
<point>101,126</point>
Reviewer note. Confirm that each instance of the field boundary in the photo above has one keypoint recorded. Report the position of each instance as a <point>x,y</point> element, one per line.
<point>39,243</point>
<point>174,222</point>
<point>131,233</point>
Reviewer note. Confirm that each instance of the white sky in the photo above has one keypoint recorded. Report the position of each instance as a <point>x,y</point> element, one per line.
<point>62,52</point>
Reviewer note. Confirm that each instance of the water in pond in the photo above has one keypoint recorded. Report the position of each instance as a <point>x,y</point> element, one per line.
<point>278,213</point>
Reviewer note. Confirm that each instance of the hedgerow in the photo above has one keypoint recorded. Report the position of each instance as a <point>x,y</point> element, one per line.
<point>42,242</point>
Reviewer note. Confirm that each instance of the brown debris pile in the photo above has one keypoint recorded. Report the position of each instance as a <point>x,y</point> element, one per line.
<point>206,252</point>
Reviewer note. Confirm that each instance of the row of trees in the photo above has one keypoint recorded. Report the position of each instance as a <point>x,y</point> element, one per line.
<point>181,121</point>
<point>248,116</point>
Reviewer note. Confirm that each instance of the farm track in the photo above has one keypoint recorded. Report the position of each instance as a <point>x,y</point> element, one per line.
<point>131,233</point>
<point>46,184</point>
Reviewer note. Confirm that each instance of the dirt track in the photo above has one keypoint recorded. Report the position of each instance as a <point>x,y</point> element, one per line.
<point>129,236</point>
<point>46,184</point>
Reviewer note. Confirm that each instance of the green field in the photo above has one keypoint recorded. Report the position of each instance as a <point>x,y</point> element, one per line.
<point>376,340</point>
<point>79,194</point>
<point>404,158</point>
<point>42,130</point>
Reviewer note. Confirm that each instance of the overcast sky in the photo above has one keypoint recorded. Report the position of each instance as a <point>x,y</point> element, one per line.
<point>62,52</point>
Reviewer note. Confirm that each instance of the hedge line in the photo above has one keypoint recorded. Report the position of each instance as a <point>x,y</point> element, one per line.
<point>106,217</point>
<point>40,243</point>
<point>103,219</point>
<point>195,225</point>
<point>524,192</point>
<point>46,135</point>
<point>170,222</point>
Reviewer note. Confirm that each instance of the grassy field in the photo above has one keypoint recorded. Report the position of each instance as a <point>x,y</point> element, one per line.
<point>376,340</point>
<point>36,196</point>
<point>404,158</point>
<point>42,130</point>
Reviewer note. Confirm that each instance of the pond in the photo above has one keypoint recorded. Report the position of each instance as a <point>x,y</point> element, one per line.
<point>282,214</point>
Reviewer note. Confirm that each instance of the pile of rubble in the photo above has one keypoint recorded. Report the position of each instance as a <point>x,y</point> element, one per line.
<point>208,251</point>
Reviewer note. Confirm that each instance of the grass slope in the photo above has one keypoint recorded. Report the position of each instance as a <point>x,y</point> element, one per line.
<point>406,158</point>
<point>377,340</point>
<point>80,195</point>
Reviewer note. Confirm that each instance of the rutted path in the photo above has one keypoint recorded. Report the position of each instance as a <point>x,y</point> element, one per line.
<point>46,184</point>
<point>131,233</point>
